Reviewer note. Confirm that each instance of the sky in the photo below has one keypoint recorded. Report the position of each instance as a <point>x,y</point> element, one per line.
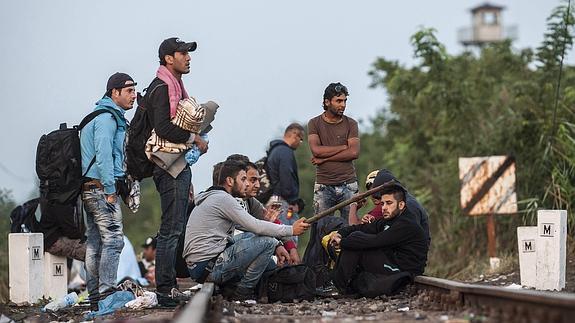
<point>266,63</point>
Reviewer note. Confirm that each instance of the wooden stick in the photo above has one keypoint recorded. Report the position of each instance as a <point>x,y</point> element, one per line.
<point>338,206</point>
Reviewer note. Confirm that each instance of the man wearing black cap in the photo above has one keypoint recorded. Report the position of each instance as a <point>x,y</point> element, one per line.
<point>102,148</point>
<point>392,244</point>
<point>334,143</point>
<point>147,262</point>
<point>166,90</point>
<point>420,214</point>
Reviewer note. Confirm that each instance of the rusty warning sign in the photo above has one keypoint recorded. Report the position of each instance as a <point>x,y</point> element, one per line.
<point>488,185</point>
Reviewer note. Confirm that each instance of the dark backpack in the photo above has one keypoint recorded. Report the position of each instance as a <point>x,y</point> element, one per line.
<point>137,163</point>
<point>288,283</point>
<point>59,168</point>
<point>23,217</point>
<point>59,162</point>
<point>266,186</point>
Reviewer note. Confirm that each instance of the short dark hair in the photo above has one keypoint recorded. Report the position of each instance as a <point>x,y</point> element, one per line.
<point>216,173</point>
<point>294,127</point>
<point>251,165</point>
<point>230,168</point>
<point>333,89</point>
<point>239,157</point>
<point>396,190</point>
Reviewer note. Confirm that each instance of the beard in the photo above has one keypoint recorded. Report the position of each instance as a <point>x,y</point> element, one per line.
<point>237,191</point>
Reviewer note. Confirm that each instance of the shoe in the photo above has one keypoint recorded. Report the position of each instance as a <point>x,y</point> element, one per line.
<point>94,306</point>
<point>327,290</point>
<point>165,300</point>
<point>243,294</point>
<point>107,293</point>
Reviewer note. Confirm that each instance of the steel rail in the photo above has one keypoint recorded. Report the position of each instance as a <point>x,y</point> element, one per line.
<point>196,310</point>
<point>513,305</point>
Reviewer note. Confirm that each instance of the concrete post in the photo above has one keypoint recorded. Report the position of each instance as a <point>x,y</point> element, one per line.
<point>55,276</point>
<point>551,249</point>
<point>526,242</point>
<point>26,263</point>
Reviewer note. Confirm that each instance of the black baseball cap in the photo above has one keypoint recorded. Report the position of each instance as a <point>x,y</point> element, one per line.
<point>150,242</point>
<point>118,81</point>
<point>171,45</point>
<point>383,176</point>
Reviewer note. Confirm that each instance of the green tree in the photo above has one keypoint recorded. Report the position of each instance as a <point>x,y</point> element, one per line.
<point>498,102</point>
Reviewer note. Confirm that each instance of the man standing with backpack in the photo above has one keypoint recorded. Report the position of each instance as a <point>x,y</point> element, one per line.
<point>166,91</point>
<point>102,147</point>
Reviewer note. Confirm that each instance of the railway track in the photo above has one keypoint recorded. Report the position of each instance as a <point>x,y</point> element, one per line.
<point>497,303</point>
<point>431,296</point>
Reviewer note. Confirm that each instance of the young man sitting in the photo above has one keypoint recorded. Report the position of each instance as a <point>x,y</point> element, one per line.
<point>394,243</point>
<point>211,250</point>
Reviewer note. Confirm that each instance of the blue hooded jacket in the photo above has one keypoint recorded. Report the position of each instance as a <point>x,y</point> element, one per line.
<point>103,139</point>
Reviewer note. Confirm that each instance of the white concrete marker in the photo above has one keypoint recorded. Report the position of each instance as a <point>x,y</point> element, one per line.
<point>526,242</point>
<point>551,249</point>
<point>25,257</point>
<point>55,276</point>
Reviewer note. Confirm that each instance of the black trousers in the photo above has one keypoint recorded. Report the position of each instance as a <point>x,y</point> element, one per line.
<point>351,262</point>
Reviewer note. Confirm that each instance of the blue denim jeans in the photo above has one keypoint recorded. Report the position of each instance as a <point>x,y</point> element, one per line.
<point>104,243</point>
<point>174,194</point>
<point>324,197</point>
<point>245,260</point>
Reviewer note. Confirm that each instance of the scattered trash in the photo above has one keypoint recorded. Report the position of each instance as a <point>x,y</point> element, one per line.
<point>403,309</point>
<point>328,314</point>
<point>196,287</point>
<point>111,303</point>
<point>149,299</point>
<point>419,316</point>
<point>444,318</point>
<point>250,301</point>
<point>63,302</point>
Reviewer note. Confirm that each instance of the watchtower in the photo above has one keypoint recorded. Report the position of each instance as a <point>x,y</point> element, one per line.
<point>486,27</point>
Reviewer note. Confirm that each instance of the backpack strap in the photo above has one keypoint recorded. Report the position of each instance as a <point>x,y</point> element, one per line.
<point>86,120</point>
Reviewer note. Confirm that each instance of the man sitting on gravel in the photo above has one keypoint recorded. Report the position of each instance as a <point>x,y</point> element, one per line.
<point>211,250</point>
<point>392,244</point>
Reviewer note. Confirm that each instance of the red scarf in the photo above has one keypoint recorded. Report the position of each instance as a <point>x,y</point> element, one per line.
<point>176,90</point>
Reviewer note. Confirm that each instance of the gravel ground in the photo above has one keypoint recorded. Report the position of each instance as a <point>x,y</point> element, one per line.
<point>510,278</point>
<point>404,307</point>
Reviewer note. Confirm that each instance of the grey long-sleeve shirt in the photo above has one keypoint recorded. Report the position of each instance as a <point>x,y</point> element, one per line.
<point>213,221</point>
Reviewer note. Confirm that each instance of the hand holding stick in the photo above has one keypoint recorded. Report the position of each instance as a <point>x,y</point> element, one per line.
<point>336,207</point>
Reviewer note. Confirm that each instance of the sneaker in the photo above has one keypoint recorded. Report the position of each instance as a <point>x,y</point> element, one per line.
<point>243,294</point>
<point>107,293</point>
<point>165,300</point>
<point>327,290</point>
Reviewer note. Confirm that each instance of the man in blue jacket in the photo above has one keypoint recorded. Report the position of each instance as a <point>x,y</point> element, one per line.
<point>282,167</point>
<point>102,147</point>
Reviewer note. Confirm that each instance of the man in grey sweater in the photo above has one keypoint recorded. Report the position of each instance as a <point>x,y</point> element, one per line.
<point>211,250</point>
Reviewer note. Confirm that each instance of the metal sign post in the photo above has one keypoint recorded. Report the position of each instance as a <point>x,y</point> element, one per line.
<point>488,188</point>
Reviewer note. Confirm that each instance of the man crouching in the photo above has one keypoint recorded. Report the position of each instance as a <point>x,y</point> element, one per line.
<point>392,244</point>
<point>211,250</point>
